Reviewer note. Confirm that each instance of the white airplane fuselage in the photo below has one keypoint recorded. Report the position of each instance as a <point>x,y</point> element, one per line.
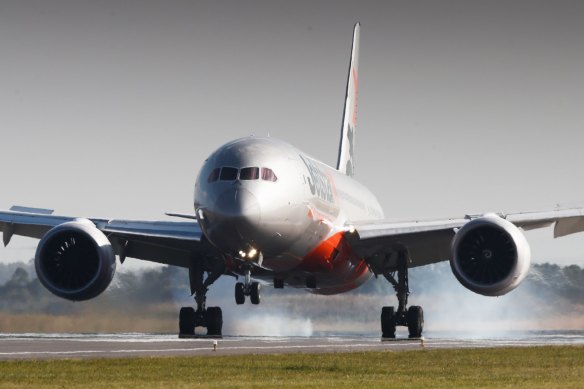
<point>271,205</point>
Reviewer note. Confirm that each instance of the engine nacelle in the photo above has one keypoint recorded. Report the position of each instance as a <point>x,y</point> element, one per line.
<point>75,261</point>
<point>490,256</point>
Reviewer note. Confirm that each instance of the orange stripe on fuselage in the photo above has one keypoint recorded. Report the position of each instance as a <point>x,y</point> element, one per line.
<point>335,259</point>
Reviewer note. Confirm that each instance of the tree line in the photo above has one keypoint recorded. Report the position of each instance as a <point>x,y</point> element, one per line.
<point>21,291</point>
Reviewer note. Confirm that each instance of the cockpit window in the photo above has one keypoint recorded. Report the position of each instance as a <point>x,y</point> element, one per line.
<point>268,175</point>
<point>246,173</point>
<point>214,176</point>
<point>249,173</point>
<point>228,174</point>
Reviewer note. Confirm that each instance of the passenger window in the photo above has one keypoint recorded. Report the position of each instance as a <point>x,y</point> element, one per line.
<point>228,174</point>
<point>268,175</point>
<point>249,173</point>
<point>214,176</point>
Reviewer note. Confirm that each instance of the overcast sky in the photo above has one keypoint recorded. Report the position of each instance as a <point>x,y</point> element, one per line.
<point>109,108</point>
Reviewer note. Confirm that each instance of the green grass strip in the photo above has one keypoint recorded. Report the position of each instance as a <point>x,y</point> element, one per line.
<point>534,367</point>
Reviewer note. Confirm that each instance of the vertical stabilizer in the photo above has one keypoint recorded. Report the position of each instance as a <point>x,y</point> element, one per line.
<point>345,162</point>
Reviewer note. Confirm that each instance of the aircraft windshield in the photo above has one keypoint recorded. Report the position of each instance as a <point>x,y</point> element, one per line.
<point>268,175</point>
<point>214,176</point>
<point>245,174</point>
<point>249,173</point>
<point>228,174</point>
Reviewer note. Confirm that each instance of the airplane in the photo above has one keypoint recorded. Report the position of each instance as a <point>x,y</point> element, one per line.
<point>275,216</point>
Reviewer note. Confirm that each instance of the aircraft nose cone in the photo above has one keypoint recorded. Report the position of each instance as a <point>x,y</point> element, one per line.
<point>234,223</point>
<point>239,203</point>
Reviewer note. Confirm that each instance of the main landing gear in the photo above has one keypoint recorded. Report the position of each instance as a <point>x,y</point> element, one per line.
<point>412,317</point>
<point>247,288</point>
<point>211,317</point>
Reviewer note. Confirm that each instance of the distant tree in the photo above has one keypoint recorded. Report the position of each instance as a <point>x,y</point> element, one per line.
<point>139,290</point>
<point>19,279</point>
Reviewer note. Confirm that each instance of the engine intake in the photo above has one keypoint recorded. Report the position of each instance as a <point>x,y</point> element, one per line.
<point>75,261</point>
<point>490,256</point>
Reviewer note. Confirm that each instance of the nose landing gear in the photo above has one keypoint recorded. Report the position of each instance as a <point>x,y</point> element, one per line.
<point>247,288</point>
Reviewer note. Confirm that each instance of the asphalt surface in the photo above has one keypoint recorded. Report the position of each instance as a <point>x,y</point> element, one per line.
<point>60,346</point>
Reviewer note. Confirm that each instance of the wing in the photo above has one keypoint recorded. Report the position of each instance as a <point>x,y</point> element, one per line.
<point>166,242</point>
<point>429,241</point>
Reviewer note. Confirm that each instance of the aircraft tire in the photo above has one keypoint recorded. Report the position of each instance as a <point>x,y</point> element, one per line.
<point>254,296</point>
<point>278,283</point>
<point>415,321</point>
<point>186,321</point>
<point>388,322</point>
<point>239,294</point>
<point>214,317</point>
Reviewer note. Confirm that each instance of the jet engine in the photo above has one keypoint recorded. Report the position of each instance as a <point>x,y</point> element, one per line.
<point>490,256</point>
<point>75,261</point>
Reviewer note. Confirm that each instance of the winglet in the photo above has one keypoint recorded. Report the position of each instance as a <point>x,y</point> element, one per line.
<point>345,162</point>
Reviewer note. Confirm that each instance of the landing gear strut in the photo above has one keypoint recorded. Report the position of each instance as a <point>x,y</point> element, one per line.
<point>211,317</point>
<point>413,318</point>
<point>247,288</point>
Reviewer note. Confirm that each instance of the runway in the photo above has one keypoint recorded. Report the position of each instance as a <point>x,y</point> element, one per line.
<point>59,346</point>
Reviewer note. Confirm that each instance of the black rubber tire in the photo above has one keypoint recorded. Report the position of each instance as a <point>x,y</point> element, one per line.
<point>278,283</point>
<point>415,321</point>
<point>186,321</point>
<point>254,295</point>
<point>239,294</point>
<point>214,318</point>
<point>388,322</point>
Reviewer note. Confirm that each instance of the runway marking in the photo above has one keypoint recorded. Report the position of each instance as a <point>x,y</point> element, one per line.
<point>210,348</point>
<point>16,346</point>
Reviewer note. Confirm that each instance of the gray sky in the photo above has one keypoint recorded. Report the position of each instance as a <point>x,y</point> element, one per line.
<point>108,108</point>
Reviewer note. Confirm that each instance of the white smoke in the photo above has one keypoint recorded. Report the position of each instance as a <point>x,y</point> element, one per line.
<point>449,308</point>
<point>267,324</point>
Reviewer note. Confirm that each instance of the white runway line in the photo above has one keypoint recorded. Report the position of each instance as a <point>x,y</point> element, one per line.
<point>31,346</point>
<point>220,347</point>
<point>318,346</point>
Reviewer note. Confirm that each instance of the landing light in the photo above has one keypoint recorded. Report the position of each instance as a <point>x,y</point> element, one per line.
<point>350,229</point>
<point>242,254</point>
<point>252,253</point>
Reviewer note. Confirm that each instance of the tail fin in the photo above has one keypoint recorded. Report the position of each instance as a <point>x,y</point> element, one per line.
<point>346,148</point>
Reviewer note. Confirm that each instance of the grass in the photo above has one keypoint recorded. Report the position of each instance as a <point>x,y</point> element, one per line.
<point>536,367</point>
